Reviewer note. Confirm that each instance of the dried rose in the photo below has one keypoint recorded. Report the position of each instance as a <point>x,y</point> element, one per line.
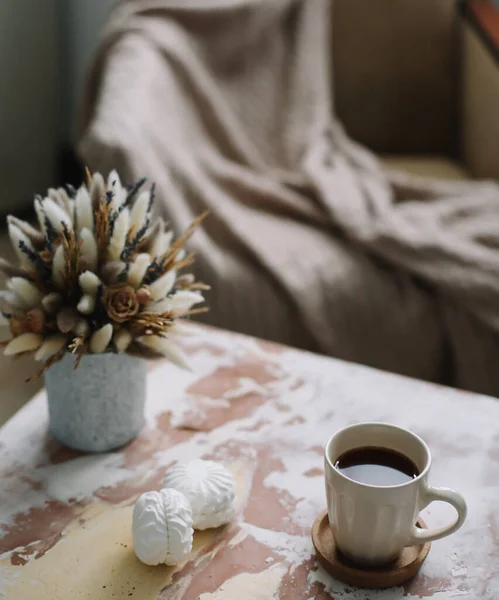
<point>120,302</point>
<point>17,325</point>
<point>35,320</point>
<point>31,322</point>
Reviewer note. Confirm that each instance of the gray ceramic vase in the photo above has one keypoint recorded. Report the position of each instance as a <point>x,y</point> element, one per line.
<point>100,405</point>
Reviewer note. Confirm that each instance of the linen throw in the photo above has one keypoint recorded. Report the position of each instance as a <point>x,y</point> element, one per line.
<point>227,105</point>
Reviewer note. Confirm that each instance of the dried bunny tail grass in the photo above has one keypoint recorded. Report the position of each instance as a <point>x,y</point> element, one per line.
<point>165,347</point>
<point>66,320</point>
<point>179,304</point>
<point>163,306</point>
<point>12,300</point>
<point>151,235</point>
<point>161,244</point>
<point>27,291</point>
<point>89,283</point>
<point>119,236</point>
<point>138,269</point>
<point>122,340</point>
<point>118,191</point>
<point>89,252</point>
<point>57,216</point>
<point>140,351</point>
<point>134,189</point>
<point>22,245</point>
<point>52,302</point>
<point>67,202</point>
<point>100,339</point>
<point>185,280</point>
<point>7,269</point>
<point>86,305</point>
<point>112,270</point>
<point>26,342</point>
<point>162,286</point>
<point>40,214</point>
<point>139,214</point>
<point>58,267</point>
<point>97,190</point>
<point>36,237</point>
<point>60,197</point>
<point>48,363</point>
<point>82,328</point>
<point>84,210</point>
<point>180,329</point>
<point>51,345</point>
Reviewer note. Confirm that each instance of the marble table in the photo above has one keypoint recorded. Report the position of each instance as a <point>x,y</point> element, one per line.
<point>266,412</point>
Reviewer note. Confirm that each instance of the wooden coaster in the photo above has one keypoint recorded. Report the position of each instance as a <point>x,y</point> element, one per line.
<point>404,568</point>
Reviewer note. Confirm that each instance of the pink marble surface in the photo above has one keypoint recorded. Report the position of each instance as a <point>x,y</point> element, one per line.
<point>266,412</point>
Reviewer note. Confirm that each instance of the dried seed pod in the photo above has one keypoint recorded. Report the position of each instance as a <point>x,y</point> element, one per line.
<point>143,295</point>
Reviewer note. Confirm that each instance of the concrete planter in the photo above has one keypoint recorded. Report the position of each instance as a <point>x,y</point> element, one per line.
<point>100,405</point>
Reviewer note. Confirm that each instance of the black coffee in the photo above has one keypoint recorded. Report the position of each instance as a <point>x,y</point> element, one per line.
<point>376,466</point>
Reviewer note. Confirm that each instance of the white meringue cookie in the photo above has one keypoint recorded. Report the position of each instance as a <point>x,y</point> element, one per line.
<point>210,489</point>
<point>162,527</point>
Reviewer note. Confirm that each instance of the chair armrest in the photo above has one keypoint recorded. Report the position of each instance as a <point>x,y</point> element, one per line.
<point>480,88</point>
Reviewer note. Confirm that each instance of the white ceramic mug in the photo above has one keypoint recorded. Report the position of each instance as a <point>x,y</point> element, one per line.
<point>372,524</point>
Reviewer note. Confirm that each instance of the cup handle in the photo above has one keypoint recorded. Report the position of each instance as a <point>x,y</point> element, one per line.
<point>433,494</point>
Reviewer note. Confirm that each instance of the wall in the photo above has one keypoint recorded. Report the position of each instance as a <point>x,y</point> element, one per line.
<point>45,47</point>
<point>29,99</point>
<point>85,19</point>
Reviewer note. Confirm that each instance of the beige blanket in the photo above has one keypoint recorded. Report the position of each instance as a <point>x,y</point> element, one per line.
<point>227,104</point>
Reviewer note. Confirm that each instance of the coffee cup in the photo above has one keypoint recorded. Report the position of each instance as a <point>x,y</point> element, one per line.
<point>376,486</point>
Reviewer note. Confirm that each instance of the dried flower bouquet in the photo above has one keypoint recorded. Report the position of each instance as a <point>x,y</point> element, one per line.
<point>99,275</point>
